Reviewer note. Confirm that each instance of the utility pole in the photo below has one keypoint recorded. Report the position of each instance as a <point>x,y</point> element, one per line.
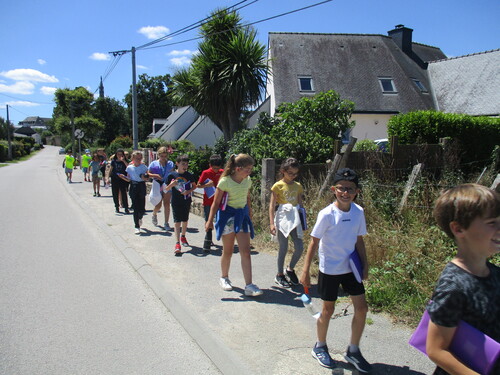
<point>135,128</point>
<point>9,154</point>
<point>72,127</point>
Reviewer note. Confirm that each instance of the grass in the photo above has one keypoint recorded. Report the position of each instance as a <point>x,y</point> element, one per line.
<point>406,250</point>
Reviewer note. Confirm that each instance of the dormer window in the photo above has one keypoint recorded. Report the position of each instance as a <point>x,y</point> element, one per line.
<point>387,85</point>
<point>420,85</point>
<point>305,84</point>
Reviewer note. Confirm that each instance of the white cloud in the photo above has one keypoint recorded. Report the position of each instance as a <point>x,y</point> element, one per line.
<point>31,75</point>
<point>154,32</point>
<point>22,103</point>
<point>99,56</point>
<point>46,90</point>
<point>41,61</point>
<point>142,67</point>
<point>185,52</point>
<point>178,61</point>
<point>21,87</point>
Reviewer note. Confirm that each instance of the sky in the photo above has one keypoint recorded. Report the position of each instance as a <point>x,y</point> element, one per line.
<point>51,44</point>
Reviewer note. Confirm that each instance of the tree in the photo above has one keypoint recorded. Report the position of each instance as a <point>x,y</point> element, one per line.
<point>113,115</point>
<point>228,74</point>
<point>3,129</point>
<point>153,101</point>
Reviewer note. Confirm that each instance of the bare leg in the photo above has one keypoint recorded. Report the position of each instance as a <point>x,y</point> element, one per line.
<point>246,261</point>
<point>324,320</point>
<point>359,318</point>
<point>227,253</point>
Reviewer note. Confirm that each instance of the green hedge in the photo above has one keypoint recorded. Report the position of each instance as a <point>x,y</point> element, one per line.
<point>475,136</point>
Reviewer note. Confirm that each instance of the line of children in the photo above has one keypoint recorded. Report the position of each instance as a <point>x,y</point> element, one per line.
<point>285,220</point>
<point>469,286</point>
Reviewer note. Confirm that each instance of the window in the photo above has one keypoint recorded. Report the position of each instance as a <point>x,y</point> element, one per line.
<point>305,84</point>
<point>420,85</point>
<point>387,85</point>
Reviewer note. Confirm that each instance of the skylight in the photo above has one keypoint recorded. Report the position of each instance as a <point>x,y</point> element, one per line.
<point>420,85</point>
<point>387,85</point>
<point>305,84</point>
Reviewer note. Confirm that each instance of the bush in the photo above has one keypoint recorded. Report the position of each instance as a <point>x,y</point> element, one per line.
<point>476,136</point>
<point>4,150</point>
<point>124,142</point>
<point>365,145</point>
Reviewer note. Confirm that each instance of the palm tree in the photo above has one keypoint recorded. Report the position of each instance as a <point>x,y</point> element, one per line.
<point>227,75</point>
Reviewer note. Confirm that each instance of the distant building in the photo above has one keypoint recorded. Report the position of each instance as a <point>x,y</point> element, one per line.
<point>35,122</point>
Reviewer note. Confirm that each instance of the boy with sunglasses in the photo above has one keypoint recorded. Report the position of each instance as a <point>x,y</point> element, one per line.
<point>337,233</point>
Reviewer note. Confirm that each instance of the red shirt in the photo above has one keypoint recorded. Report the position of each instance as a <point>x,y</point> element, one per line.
<point>212,175</point>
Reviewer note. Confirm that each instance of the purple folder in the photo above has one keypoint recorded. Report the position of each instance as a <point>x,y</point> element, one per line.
<point>356,265</point>
<point>303,218</point>
<point>475,349</point>
<point>209,191</point>
<point>223,202</point>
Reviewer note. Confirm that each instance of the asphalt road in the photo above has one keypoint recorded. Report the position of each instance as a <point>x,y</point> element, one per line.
<point>270,334</point>
<point>70,303</point>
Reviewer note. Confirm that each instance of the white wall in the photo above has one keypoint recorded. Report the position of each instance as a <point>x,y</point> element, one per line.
<point>370,126</point>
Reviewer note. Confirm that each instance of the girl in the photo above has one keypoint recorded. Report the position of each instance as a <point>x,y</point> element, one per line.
<point>288,194</point>
<point>118,185</point>
<point>234,220</point>
<point>137,175</point>
<point>95,170</point>
<point>159,170</point>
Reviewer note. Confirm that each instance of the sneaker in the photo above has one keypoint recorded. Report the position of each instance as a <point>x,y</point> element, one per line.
<point>167,227</point>
<point>225,284</point>
<point>358,361</point>
<point>282,281</point>
<point>177,249</point>
<point>322,356</point>
<point>252,290</point>
<point>117,210</point>
<point>294,280</point>
<point>98,194</point>
<point>184,241</point>
<point>127,211</point>
<point>95,194</point>
<point>137,230</point>
<point>154,219</point>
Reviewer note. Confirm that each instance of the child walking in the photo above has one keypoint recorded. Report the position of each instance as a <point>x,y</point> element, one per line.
<point>159,171</point>
<point>137,175</point>
<point>469,286</point>
<point>182,183</point>
<point>337,233</point>
<point>95,170</point>
<point>68,164</point>
<point>208,180</point>
<point>285,221</point>
<point>118,185</point>
<point>234,222</point>
<point>86,159</point>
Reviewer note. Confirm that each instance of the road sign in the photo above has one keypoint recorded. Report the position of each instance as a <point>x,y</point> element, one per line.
<point>79,133</point>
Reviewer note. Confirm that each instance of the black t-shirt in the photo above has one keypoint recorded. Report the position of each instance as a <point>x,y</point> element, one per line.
<point>460,295</point>
<point>182,180</point>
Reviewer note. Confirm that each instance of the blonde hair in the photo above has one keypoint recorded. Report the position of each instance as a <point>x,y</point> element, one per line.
<point>162,150</point>
<point>235,161</point>
<point>137,152</point>
<point>463,204</point>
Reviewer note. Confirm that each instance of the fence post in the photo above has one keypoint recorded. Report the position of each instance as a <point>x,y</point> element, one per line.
<point>417,169</point>
<point>347,153</point>
<point>333,169</point>
<point>267,179</point>
<point>496,183</point>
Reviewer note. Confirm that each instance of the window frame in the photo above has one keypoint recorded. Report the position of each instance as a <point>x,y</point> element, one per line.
<point>391,80</point>
<point>420,85</point>
<point>300,77</point>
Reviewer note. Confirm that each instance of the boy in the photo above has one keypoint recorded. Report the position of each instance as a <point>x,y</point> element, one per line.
<point>182,184</point>
<point>469,286</point>
<point>209,179</point>
<point>86,159</point>
<point>337,232</point>
<point>68,164</point>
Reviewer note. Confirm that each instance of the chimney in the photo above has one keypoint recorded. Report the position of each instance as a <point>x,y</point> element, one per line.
<point>401,35</point>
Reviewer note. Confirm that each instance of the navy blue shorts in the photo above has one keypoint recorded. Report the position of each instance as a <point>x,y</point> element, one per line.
<point>328,285</point>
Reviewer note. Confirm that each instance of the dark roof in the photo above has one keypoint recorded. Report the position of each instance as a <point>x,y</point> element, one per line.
<point>468,84</point>
<point>351,64</point>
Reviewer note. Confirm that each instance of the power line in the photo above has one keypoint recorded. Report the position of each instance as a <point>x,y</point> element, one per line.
<point>23,100</point>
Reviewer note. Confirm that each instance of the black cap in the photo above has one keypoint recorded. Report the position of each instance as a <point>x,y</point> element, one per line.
<point>345,174</point>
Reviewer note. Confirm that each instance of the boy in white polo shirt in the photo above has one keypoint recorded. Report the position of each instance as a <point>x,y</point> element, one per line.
<point>337,233</point>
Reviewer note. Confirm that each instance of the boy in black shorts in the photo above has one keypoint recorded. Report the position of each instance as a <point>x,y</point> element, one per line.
<point>337,233</point>
<point>182,184</point>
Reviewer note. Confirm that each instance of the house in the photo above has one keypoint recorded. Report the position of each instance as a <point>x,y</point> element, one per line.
<point>186,123</point>
<point>35,122</point>
<point>467,84</point>
<point>382,74</point>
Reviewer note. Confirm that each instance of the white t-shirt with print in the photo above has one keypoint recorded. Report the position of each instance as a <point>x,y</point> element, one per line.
<point>338,232</point>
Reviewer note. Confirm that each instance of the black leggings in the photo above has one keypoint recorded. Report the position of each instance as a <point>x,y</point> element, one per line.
<point>118,185</point>
<point>138,195</point>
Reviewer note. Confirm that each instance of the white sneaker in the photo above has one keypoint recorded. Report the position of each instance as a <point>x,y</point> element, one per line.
<point>167,227</point>
<point>252,290</point>
<point>154,219</point>
<point>137,230</point>
<point>225,284</point>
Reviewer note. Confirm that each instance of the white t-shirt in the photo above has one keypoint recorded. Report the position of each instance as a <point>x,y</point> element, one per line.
<point>338,232</point>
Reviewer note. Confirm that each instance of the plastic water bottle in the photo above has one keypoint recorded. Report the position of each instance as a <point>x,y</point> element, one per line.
<point>306,300</point>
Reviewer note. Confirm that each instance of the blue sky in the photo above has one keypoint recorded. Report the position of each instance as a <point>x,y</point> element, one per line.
<point>50,44</point>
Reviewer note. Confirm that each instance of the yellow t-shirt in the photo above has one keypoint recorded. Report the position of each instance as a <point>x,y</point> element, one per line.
<point>287,193</point>
<point>70,160</point>
<point>86,160</point>
<point>238,193</point>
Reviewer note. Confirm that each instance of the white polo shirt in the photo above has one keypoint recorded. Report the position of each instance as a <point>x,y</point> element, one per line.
<point>338,232</point>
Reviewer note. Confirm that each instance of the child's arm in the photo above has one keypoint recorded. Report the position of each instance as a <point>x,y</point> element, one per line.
<point>193,188</point>
<point>123,177</point>
<point>213,209</point>
<point>272,205</point>
<point>305,278</point>
<point>145,176</point>
<point>438,341</point>
<point>360,246</point>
